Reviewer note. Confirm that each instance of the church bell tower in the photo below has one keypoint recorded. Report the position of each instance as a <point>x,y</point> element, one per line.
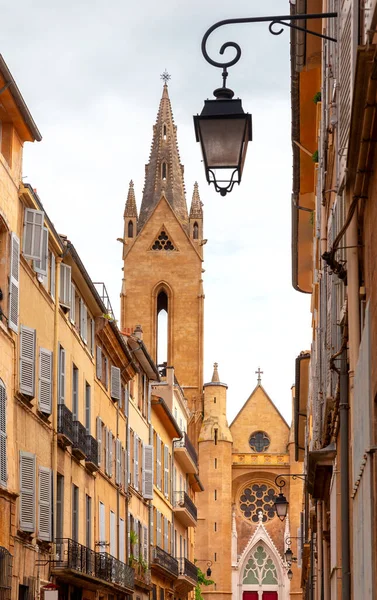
<point>162,287</point>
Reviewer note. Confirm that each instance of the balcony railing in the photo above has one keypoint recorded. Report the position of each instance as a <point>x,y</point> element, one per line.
<point>164,560</point>
<point>75,556</point>
<point>79,440</point>
<point>65,430</point>
<point>183,500</point>
<point>185,442</point>
<point>91,459</point>
<point>188,569</point>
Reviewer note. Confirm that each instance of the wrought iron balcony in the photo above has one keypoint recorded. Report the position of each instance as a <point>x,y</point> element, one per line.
<point>86,562</point>
<point>188,570</point>
<point>91,459</point>
<point>185,510</point>
<point>186,455</point>
<point>65,430</point>
<point>164,561</point>
<point>79,440</point>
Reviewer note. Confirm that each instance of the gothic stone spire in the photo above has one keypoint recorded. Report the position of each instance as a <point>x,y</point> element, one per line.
<point>130,209</point>
<point>196,211</point>
<point>164,172</point>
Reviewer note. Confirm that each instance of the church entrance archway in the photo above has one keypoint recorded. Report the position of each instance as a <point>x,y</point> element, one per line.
<point>260,575</point>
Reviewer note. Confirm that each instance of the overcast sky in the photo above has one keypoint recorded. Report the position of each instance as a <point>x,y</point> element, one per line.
<point>89,71</point>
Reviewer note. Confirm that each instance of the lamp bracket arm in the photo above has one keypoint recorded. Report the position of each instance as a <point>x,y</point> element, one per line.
<point>284,20</point>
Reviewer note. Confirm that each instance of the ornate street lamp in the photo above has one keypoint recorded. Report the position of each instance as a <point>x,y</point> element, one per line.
<point>288,554</point>
<point>281,503</point>
<point>290,574</point>
<point>209,564</point>
<point>223,128</point>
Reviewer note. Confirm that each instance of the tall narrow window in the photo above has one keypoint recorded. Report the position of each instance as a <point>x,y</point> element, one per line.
<point>215,432</point>
<point>162,328</point>
<point>87,407</point>
<point>88,521</point>
<point>130,229</point>
<point>75,513</point>
<point>195,231</point>
<point>59,506</point>
<point>164,170</point>
<point>75,393</point>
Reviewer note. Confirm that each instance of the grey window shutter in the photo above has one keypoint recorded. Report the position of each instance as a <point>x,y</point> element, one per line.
<point>128,535</point>
<point>158,465</point>
<point>136,461</point>
<point>72,311</point>
<point>145,544</point>
<point>117,461</point>
<point>99,439</point>
<point>65,285</point>
<point>99,362</point>
<point>137,543</point>
<point>158,527</point>
<point>148,472</point>
<point>166,535</point>
<point>106,451</point>
<point>40,266</point>
<point>52,275</point>
<point>45,381</point>
<point>111,444</point>
<point>83,321</point>
<point>166,471</point>
<point>3,436</point>
<point>14,282</point>
<point>123,467</point>
<point>27,491</point>
<point>115,384</point>
<point>27,361</point>
<point>45,504</point>
<point>128,456</point>
<point>126,399</point>
<point>61,397</point>
<point>33,233</point>
<point>88,402</point>
<point>92,332</point>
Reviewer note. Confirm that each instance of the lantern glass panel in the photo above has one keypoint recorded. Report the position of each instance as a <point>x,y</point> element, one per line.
<point>223,140</point>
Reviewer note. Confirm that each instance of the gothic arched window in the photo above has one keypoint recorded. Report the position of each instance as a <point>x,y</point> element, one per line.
<point>162,327</point>
<point>260,569</point>
<point>255,499</point>
<point>164,170</point>
<point>195,231</point>
<point>259,441</point>
<point>130,229</point>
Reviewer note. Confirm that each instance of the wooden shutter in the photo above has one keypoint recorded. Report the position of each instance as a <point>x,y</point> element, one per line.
<point>118,449</point>
<point>145,544</point>
<point>14,282</point>
<point>65,285</point>
<point>99,362</point>
<point>61,396</point>
<point>92,334</point>
<point>166,471</point>
<point>83,321</point>
<point>88,414</point>
<point>102,525</point>
<point>112,534</point>
<point>115,384</point>
<point>166,535</point>
<point>40,265</point>
<point>27,491</point>
<point>122,467</point>
<point>126,398</point>
<point>158,527</point>
<point>121,540</point>
<point>128,535</point>
<point>148,472</point>
<point>72,310</point>
<point>111,443</point>
<point>3,436</point>
<point>158,466</point>
<point>52,275</point>
<point>345,81</point>
<point>27,361</point>
<point>136,461</point>
<point>107,451</point>
<point>128,461</point>
<point>99,439</point>
<point>45,504</point>
<point>45,381</point>
<point>33,233</point>
<point>137,543</point>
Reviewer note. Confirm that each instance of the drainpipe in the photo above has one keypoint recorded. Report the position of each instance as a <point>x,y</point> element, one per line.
<point>344,478</point>
<point>319,551</point>
<point>55,392</point>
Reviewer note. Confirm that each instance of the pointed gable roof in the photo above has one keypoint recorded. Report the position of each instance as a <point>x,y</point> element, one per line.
<point>130,209</point>
<point>196,211</point>
<point>259,413</point>
<point>164,172</point>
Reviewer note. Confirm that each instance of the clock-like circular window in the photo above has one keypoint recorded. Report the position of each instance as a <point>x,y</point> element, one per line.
<point>259,441</point>
<point>257,498</point>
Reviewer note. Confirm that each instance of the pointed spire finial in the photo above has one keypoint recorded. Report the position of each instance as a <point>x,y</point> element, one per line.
<point>259,373</point>
<point>196,211</point>
<point>215,376</point>
<point>165,76</point>
<point>130,210</point>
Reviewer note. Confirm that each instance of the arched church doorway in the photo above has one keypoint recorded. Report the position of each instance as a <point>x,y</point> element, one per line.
<point>260,575</point>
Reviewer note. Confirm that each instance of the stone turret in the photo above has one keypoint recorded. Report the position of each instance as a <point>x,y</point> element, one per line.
<point>130,220</point>
<point>215,425</point>
<point>196,217</point>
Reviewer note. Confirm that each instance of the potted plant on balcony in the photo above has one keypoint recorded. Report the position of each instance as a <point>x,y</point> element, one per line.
<point>133,541</point>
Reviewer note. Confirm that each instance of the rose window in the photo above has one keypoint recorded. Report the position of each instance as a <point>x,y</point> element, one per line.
<point>259,441</point>
<point>255,499</point>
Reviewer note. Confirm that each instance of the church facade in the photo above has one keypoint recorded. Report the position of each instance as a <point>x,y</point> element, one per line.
<point>238,533</point>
